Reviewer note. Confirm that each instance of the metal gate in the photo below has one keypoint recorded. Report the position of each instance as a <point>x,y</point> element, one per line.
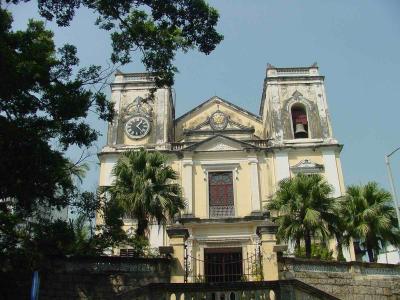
<point>228,264</point>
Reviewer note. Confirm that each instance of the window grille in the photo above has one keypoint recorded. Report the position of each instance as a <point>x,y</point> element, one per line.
<point>221,194</point>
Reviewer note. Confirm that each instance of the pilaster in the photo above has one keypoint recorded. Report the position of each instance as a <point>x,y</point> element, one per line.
<point>177,236</point>
<point>267,234</point>
<point>187,183</point>
<point>282,169</point>
<point>331,170</point>
<point>255,188</point>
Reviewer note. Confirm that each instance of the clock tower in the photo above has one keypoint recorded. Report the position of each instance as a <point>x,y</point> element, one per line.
<point>142,119</point>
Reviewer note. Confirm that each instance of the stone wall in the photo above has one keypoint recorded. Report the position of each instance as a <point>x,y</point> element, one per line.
<point>88,278</point>
<point>352,281</point>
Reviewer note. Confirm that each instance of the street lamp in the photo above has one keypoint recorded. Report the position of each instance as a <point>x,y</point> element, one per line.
<point>392,184</point>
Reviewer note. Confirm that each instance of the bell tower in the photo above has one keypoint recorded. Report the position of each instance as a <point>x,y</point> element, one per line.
<point>141,119</point>
<point>296,118</point>
<point>294,105</point>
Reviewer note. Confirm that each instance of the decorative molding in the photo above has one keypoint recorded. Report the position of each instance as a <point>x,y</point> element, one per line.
<point>297,95</point>
<point>220,166</point>
<point>307,166</point>
<point>138,107</point>
<point>220,143</point>
<point>220,146</point>
<point>218,121</point>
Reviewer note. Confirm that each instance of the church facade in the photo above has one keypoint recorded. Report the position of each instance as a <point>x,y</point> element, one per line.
<point>229,160</point>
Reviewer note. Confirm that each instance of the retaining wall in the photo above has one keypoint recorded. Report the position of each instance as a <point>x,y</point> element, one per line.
<point>345,280</point>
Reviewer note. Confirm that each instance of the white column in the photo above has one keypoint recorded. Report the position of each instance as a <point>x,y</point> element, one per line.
<point>331,171</point>
<point>106,166</point>
<point>255,189</point>
<point>187,182</point>
<point>282,169</point>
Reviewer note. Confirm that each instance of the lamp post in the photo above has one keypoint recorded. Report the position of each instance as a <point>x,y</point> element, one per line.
<point>392,184</point>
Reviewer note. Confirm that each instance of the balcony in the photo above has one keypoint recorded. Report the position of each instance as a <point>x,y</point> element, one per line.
<point>219,211</point>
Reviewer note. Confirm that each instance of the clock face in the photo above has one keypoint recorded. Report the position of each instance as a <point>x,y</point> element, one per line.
<point>137,127</point>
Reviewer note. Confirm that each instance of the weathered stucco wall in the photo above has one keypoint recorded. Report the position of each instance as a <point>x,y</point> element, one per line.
<point>352,281</point>
<point>84,279</point>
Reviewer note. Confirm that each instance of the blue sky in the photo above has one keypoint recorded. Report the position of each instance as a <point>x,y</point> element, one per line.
<point>356,45</point>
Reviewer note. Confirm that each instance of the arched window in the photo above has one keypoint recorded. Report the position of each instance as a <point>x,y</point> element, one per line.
<point>299,121</point>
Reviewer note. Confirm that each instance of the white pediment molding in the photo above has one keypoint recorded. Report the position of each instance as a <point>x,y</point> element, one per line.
<point>220,143</point>
<point>307,166</point>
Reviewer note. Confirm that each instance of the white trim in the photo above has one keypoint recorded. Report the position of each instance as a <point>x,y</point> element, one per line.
<point>222,238</point>
<point>221,168</point>
<point>306,166</point>
<point>331,171</point>
<point>255,190</point>
<point>282,170</point>
<point>187,183</point>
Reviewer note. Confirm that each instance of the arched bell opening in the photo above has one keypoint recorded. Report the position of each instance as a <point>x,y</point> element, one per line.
<point>299,121</point>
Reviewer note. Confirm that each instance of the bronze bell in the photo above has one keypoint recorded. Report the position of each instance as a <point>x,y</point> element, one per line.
<point>300,128</point>
<point>300,131</point>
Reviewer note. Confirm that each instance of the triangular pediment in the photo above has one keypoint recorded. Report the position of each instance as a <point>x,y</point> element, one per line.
<point>216,102</point>
<point>307,166</point>
<point>219,143</point>
<point>218,116</point>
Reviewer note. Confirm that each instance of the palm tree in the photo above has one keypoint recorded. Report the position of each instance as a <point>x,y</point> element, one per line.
<point>304,208</point>
<point>145,187</point>
<point>370,217</point>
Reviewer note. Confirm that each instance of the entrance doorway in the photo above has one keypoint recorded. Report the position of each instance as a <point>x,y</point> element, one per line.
<point>223,264</point>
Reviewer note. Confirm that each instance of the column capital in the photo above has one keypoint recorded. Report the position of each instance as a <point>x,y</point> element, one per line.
<point>187,162</point>
<point>268,227</point>
<point>252,160</point>
<point>177,231</point>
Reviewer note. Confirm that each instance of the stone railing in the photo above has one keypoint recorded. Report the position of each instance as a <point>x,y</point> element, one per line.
<point>260,143</point>
<point>138,77</point>
<point>345,279</point>
<point>279,289</point>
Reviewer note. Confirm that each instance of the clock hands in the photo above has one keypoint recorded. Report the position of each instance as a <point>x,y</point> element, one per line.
<point>137,127</point>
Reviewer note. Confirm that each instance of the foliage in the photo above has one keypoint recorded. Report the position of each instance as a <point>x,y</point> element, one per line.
<point>44,103</point>
<point>370,217</point>
<point>41,105</point>
<point>155,28</point>
<point>304,208</point>
<point>28,244</point>
<point>318,251</point>
<point>144,187</point>
<point>87,205</point>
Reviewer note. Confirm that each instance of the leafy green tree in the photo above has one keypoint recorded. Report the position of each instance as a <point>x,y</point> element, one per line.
<point>155,29</point>
<point>43,111</point>
<point>145,188</point>
<point>304,208</point>
<point>370,217</point>
<point>87,205</point>
<point>45,99</point>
